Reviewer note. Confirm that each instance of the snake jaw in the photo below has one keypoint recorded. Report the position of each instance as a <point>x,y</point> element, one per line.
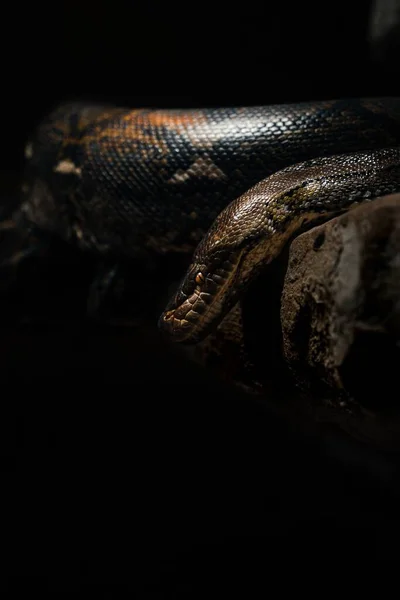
<point>195,308</point>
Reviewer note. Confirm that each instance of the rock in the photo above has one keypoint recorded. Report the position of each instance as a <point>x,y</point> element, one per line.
<point>340,311</point>
<point>317,335</point>
<point>383,33</point>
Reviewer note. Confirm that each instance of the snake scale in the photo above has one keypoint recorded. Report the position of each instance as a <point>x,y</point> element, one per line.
<point>230,185</point>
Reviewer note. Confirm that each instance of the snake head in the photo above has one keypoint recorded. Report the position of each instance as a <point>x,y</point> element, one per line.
<point>220,270</point>
<point>197,303</point>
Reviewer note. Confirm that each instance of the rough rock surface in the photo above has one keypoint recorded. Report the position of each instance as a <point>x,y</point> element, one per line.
<point>340,311</point>
<point>328,311</point>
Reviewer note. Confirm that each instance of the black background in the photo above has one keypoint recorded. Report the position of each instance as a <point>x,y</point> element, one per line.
<point>124,467</point>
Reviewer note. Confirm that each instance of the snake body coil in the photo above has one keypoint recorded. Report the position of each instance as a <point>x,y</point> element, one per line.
<point>128,182</point>
<point>253,230</point>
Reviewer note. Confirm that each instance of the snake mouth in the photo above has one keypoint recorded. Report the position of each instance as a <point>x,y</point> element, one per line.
<point>195,308</point>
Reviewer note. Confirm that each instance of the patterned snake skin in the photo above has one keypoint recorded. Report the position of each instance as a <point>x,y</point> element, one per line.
<point>131,183</point>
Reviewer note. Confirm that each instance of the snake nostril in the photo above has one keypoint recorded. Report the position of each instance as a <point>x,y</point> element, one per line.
<point>168,315</point>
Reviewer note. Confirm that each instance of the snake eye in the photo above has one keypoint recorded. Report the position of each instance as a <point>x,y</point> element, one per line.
<point>199,279</point>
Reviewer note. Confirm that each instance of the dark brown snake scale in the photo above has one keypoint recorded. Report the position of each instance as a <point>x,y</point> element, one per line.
<point>126,182</point>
